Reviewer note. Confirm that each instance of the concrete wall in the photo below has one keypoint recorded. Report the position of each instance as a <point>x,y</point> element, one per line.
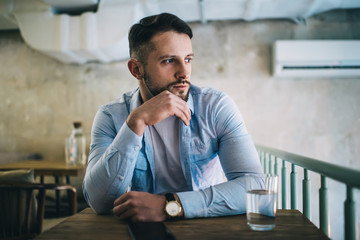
<point>320,118</point>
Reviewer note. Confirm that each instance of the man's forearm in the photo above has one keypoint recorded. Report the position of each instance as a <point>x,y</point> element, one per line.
<point>110,168</point>
<point>223,199</point>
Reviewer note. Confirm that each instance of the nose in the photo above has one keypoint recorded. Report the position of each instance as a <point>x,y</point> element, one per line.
<point>183,71</point>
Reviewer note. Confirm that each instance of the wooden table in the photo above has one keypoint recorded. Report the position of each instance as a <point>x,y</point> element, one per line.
<point>290,224</point>
<point>43,168</point>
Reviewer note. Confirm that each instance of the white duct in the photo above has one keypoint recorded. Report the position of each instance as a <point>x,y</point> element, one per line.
<point>102,35</point>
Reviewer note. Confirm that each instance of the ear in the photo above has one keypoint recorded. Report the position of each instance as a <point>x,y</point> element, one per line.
<point>136,69</point>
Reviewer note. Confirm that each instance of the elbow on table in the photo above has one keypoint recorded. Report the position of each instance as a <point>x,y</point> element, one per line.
<point>97,203</point>
<point>101,210</point>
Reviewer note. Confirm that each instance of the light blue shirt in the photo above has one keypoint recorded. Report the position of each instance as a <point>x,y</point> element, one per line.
<point>215,142</point>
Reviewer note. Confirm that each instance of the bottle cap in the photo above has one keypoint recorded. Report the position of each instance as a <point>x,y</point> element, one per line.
<point>77,124</point>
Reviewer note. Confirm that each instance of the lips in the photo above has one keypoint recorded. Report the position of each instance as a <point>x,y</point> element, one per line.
<point>180,89</point>
<point>180,86</point>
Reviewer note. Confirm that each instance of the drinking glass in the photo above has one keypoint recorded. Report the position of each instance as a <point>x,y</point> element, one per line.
<point>261,197</point>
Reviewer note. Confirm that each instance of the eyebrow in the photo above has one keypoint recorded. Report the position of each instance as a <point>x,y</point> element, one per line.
<point>173,56</point>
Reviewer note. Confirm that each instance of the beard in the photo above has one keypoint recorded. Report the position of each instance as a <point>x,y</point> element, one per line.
<point>155,90</point>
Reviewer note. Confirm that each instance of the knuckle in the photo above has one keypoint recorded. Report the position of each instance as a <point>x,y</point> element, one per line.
<point>136,212</point>
<point>132,203</point>
<point>165,93</point>
<point>132,194</point>
<point>169,106</point>
<point>140,218</point>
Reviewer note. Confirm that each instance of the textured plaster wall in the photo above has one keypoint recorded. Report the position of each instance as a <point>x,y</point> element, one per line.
<point>320,118</point>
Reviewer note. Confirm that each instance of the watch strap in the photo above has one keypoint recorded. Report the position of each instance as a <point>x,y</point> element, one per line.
<point>169,197</point>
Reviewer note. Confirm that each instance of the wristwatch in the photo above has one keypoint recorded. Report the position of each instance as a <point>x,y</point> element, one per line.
<point>172,207</point>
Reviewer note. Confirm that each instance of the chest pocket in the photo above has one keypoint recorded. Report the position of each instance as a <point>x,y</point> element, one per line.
<point>205,150</point>
<point>142,180</point>
<point>206,169</point>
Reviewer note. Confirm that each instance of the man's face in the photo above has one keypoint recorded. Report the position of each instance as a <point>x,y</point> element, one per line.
<point>168,66</point>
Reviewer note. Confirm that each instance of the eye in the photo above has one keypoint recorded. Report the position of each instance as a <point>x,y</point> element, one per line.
<point>170,60</point>
<point>188,60</point>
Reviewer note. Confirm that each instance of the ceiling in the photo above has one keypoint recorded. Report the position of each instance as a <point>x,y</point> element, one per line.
<point>80,31</point>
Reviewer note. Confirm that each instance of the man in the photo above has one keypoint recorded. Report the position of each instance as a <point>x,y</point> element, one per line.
<point>161,151</point>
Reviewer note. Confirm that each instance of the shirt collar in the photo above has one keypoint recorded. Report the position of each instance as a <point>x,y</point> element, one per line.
<point>135,100</point>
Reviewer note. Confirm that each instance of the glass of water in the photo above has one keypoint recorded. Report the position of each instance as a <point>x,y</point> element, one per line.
<point>261,197</point>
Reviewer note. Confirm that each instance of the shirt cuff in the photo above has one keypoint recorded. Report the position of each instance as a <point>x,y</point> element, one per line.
<point>193,204</point>
<point>127,138</point>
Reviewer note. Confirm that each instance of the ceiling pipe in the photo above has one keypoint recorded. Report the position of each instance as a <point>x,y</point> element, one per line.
<point>100,33</point>
<point>202,11</point>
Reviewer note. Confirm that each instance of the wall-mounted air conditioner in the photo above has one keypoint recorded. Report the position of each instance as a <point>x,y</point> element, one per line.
<point>316,58</point>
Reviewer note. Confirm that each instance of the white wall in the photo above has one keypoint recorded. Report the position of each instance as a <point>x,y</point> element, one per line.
<point>319,118</point>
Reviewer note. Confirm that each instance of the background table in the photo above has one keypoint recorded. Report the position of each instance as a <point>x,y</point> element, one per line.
<point>290,224</point>
<point>43,168</point>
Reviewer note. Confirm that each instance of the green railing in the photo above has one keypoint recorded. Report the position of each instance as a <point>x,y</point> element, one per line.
<point>271,158</point>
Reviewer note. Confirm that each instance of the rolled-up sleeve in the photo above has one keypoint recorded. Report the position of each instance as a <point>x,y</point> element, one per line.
<point>111,162</point>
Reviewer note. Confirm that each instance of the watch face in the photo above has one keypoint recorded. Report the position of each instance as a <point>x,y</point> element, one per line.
<point>172,208</point>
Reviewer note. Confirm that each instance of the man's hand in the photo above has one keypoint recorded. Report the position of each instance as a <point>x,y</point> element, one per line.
<point>140,207</point>
<point>157,109</point>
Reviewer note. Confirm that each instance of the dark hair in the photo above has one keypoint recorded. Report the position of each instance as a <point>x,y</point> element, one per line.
<point>141,33</point>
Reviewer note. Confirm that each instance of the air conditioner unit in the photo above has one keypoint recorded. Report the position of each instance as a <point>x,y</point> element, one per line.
<point>316,58</point>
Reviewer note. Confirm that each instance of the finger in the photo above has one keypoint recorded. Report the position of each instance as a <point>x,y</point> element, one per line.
<point>183,112</point>
<point>128,214</point>
<point>125,213</point>
<point>121,199</point>
<point>188,113</point>
<point>121,209</point>
<point>184,117</point>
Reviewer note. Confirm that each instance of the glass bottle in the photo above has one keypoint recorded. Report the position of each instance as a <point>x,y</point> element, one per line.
<point>75,152</point>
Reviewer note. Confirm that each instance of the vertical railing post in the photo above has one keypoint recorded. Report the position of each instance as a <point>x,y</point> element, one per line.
<point>264,162</point>
<point>323,198</point>
<point>266,170</point>
<point>283,185</point>
<point>350,215</point>
<point>306,195</point>
<point>276,172</point>
<point>293,191</point>
<point>271,169</point>
<point>276,167</point>
<point>262,159</point>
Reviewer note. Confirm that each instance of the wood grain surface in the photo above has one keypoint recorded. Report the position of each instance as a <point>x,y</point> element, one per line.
<point>290,224</point>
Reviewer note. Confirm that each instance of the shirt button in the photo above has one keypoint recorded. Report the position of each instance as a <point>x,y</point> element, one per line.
<point>121,178</point>
<point>136,148</point>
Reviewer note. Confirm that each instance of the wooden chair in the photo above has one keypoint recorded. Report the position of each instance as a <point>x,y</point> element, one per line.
<point>22,211</point>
